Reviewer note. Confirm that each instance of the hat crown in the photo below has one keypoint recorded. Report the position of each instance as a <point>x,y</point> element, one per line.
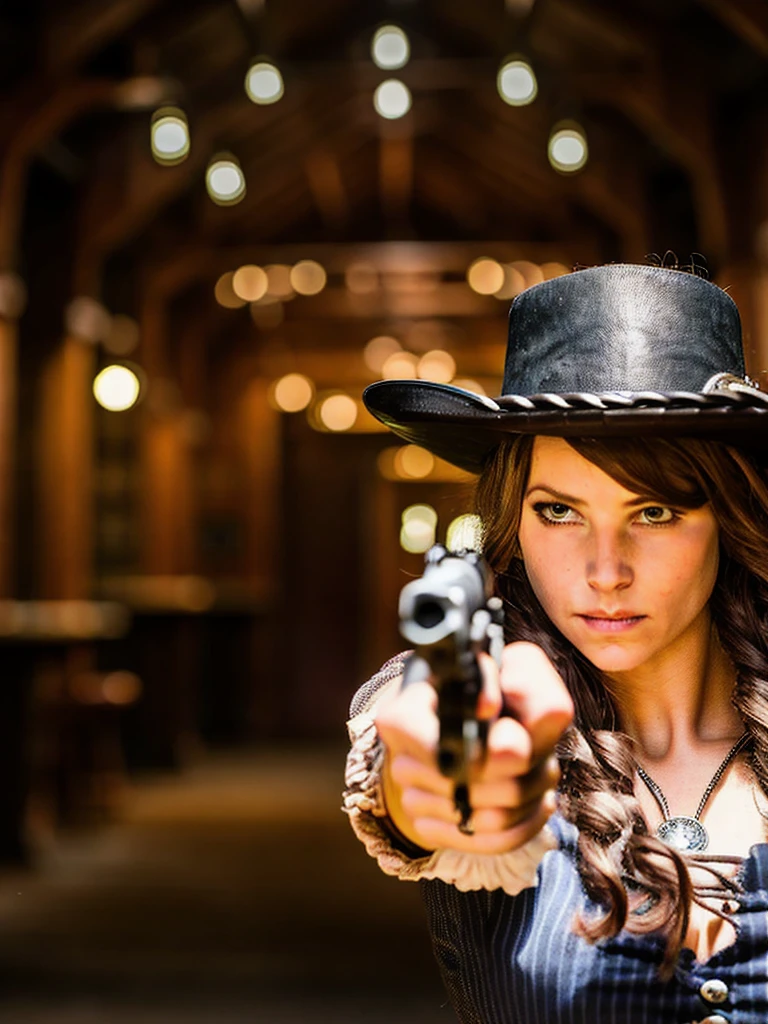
<point>621,328</point>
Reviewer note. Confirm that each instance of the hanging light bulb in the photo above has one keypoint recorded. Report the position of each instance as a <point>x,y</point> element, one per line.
<point>392,99</point>
<point>517,83</point>
<point>225,180</point>
<point>567,149</point>
<point>390,48</point>
<point>116,388</point>
<point>169,136</point>
<point>264,83</point>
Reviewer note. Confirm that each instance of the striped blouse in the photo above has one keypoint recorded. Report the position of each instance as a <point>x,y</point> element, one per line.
<point>516,960</point>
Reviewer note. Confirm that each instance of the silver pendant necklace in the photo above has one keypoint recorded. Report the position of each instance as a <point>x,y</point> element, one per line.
<point>685,834</point>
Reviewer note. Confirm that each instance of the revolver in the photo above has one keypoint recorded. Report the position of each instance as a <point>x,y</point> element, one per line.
<point>450,615</point>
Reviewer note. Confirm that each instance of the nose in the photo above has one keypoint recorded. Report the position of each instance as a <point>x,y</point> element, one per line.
<point>608,565</point>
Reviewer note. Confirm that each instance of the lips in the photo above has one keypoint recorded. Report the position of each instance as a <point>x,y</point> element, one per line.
<point>616,622</point>
<point>613,616</point>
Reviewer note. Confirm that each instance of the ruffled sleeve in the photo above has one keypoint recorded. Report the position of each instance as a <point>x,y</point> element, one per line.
<point>363,802</point>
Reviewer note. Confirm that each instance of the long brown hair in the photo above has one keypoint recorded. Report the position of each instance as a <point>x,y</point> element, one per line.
<point>617,856</point>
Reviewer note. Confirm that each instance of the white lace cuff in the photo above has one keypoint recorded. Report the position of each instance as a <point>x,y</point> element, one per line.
<point>364,803</point>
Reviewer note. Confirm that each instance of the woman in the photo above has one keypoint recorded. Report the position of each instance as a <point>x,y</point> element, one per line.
<point>615,868</point>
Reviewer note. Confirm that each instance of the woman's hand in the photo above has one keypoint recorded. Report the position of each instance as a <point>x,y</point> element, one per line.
<point>512,791</point>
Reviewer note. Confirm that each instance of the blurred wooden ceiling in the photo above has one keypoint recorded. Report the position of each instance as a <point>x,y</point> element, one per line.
<point>672,98</point>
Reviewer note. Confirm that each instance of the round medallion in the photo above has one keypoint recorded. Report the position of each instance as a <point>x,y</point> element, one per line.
<point>685,834</point>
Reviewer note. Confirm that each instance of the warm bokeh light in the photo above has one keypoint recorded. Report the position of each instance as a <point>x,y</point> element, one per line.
<point>414,462</point>
<point>514,283</point>
<point>121,688</point>
<point>467,384</point>
<point>85,318</point>
<point>400,366</point>
<point>485,276</point>
<point>550,270</point>
<point>567,149</point>
<point>392,99</point>
<point>423,512</point>
<point>417,536</point>
<point>123,336</point>
<point>264,83</point>
<point>389,463</point>
<point>116,388</point>
<point>224,292</point>
<point>292,393</point>
<point>531,272</point>
<point>249,283</point>
<point>516,83</point>
<point>279,280</point>
<point>390,48</point>
<point>169,136</point>
<point>465,533</point>
<point>225,180</point>
<point>437,365</point>
<point>378,350</point>
<point>308,277</point>
<point>362,278</point>
<point>338,412</point>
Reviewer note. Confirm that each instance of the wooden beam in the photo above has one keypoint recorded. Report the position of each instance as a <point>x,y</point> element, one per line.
<point>120,203</point>
<point>73,32</point>
<point>327,187</point>
<point>64,473</point>
<point>441,185</point>
<point>8,435</point>
<point>677,118</point>
<point>747,19</point>
<point>396,175</point>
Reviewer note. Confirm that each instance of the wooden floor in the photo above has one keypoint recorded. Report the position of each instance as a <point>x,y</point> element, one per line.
<point>233,893</point>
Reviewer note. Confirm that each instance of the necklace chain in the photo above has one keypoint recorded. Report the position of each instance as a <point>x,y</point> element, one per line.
<point>661,800</point>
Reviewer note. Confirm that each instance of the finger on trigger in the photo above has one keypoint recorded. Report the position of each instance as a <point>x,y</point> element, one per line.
<point>510,750</point>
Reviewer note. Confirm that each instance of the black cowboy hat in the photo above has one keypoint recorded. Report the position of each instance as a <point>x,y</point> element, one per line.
<point>612,351</point>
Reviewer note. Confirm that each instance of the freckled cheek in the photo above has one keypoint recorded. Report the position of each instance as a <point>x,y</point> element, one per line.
<point>688,574</point>
<point>549,577</point>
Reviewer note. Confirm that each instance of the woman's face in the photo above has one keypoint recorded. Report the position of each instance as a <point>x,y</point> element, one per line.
<point>625,579</point>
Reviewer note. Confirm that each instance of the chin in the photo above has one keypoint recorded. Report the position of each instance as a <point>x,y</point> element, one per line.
<point>613,658</point>
<point>613,661</point>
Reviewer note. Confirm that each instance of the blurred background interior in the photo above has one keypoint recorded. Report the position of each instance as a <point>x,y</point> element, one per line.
<point>220,220</point>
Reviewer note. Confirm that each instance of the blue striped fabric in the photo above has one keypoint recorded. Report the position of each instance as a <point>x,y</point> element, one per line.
<point>515,960</point>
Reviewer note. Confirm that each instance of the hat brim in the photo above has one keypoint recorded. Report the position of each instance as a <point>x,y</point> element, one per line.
<point>464,428</point>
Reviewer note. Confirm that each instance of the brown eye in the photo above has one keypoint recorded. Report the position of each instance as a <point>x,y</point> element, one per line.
<point>558,511</point>
<point>555,512</point>
<point>657,515</point>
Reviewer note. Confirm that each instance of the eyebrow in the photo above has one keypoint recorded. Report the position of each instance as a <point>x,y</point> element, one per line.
<point>570,499</point>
